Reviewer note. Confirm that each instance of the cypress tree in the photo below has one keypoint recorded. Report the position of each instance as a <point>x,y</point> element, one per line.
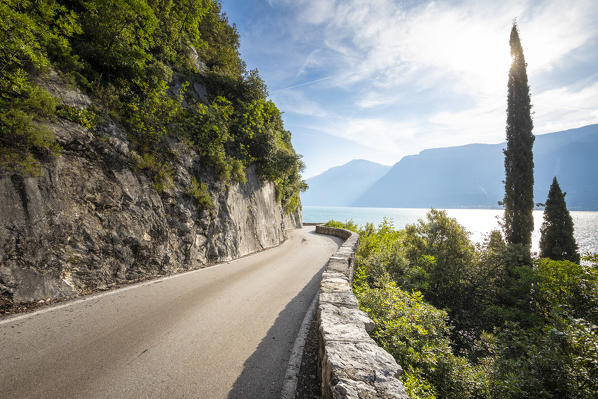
<point>519,163</point>
<point>557,241</point>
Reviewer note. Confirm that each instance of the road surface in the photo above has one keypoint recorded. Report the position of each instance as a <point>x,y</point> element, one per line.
<point>223,331</point>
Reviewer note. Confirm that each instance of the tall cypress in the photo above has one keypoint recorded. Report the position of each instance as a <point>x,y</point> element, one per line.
<point>519,162</point>
<point>557,241</point>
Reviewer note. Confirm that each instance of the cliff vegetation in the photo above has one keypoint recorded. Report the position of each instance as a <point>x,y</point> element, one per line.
<point>165,70</point>
<point>134,143</point>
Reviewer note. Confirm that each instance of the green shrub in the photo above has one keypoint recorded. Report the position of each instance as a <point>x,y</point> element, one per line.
<point>160,171</point>
<point>349,225</point>
<point>28,30</point>
<point>83,116</point>
<point>201,194</point>
<point>417,335</point>
<point>150,116</point>
<point>23,136</point>
<point>559,360</point>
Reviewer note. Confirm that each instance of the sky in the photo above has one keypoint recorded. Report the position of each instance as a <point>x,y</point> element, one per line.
<point>381,79</point>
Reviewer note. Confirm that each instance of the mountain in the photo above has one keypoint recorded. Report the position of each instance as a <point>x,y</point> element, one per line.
<point>471,176</point>
<point>342,185</point>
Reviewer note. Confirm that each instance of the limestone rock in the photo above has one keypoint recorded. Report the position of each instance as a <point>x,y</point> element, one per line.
<point>92,220</point>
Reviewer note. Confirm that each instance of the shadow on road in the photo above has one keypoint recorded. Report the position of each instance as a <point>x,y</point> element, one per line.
<point>263,372</point>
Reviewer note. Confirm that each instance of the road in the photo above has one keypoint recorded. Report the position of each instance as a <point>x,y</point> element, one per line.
<point>223,331</point>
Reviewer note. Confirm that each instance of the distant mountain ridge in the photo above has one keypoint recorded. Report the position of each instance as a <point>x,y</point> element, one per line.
<point>471,176</point>
<point>342,185</point>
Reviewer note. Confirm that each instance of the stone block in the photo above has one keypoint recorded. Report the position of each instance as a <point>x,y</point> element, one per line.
<point>334,274</point>
<point>346,299</point>
<point>338,264</point>
<point>335,284</point>
<point>355,365</point>
<point>341,323</point>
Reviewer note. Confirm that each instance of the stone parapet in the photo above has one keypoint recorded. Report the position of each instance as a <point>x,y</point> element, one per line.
<point>351,365</point>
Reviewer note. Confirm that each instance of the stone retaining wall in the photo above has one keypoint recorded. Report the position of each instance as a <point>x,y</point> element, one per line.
<point>351,365</point>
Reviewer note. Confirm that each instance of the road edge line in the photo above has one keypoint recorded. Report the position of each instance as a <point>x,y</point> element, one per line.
<point>289,387</point>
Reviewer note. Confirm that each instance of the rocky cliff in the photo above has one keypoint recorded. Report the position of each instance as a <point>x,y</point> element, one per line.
<point>92,220</point>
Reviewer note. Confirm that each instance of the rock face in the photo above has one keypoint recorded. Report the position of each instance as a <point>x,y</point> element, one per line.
<point>351,365</point>
<point>92,220</point>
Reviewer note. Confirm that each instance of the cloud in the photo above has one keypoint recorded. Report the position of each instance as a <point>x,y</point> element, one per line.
<point>310,61</point>
<point>373,99</point>
<point>404,78</point>
<point>379,41</point>
<point>565,107</point>
<point>555,28</point>
<point>295,102</point>
<point>385,136</point>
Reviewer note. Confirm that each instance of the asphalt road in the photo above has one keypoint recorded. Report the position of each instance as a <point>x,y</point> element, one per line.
<point>223,331</point>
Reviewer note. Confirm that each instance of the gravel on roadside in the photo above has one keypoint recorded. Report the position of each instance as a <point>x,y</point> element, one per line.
<point>308,382</point>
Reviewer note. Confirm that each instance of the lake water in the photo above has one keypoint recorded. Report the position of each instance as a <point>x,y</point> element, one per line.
<point>477,221</point>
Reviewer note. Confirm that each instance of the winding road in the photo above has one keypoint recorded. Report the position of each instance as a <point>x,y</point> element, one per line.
<point>225,331</point>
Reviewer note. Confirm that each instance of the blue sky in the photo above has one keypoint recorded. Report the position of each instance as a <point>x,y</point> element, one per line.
<point>382,79</point>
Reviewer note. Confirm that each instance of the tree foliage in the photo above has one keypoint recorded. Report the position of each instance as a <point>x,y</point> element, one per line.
<point>557,241</point>
<point>519,163</point>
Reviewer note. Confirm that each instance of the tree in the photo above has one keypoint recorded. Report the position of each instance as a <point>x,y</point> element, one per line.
<point>557,241</point>
<point>519,162</point>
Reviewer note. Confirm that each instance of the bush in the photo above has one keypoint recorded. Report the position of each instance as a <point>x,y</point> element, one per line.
<point>567,287</point>
<point>522,331</point>
<point>557,361</point>
<point>25,33</point>
<point>201,194</point>
<point>417,335</point>
<point>23,136</point>
<point>349,225</point>
<point>83,116</point>
<point>160,171</point>
<point>149,117</point>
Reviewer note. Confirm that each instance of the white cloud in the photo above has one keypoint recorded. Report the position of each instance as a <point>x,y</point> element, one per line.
<point>295,102</point>
<point>385,136</point>
<point>310,61</point>
<point>554,110</point>
<point>374,40</point>
<point>550,31</point>
<point>373,99</point>
<point>565,108</point>
<point>381,53</point>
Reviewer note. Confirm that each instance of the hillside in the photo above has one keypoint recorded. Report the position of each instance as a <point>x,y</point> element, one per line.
<point>133,143</point>
<point>471,176</point>
<point>342,185</point>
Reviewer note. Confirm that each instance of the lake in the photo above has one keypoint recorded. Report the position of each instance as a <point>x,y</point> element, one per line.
<point>478,222</point>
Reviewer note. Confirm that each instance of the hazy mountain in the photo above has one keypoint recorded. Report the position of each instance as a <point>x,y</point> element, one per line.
<point>471,176</point>
<point>342,185</point>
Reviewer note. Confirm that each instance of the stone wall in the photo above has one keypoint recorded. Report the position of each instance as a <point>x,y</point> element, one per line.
<point>351,365</point>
